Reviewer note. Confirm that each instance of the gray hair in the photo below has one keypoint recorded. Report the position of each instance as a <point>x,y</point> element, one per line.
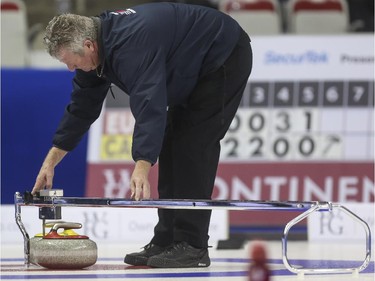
<point>69,31</point>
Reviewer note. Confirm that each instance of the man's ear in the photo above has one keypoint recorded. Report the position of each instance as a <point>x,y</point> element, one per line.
<point>89,44</point>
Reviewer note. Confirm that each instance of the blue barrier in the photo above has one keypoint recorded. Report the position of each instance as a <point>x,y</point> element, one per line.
<point>32,103</point>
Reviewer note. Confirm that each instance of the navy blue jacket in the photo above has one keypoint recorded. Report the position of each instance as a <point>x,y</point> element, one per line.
<point>155,53</point>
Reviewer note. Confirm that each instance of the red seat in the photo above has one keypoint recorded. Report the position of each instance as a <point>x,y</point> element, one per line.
<point>9,6</point>
<point>261,5</point>
<point>317,16</point>
<point>257,17</point>
<point>306,5</point>
<point>14,49</point>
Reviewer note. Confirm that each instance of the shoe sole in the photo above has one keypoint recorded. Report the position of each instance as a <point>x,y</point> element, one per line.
<point>164,263</point>
<point>138,261</point>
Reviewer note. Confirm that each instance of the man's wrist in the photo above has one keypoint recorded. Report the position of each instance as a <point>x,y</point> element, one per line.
<point>143,166</point>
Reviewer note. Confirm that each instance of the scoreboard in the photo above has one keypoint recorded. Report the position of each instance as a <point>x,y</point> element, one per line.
<point>303,120</point>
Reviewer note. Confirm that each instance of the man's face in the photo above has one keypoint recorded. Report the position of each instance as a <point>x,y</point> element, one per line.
<point>87,61</point>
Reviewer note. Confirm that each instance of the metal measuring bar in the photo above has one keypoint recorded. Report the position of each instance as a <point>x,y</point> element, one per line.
<point>51,201</point>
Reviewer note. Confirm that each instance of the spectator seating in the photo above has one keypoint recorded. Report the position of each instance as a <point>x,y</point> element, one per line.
<point>317,16</point>
<point>13,33</point>
<point>257,17</point>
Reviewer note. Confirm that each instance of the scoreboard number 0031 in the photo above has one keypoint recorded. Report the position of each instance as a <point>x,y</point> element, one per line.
<point>279,134</point>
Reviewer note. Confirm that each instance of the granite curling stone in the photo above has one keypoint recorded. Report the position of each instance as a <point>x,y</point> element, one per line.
<point>65,250</point>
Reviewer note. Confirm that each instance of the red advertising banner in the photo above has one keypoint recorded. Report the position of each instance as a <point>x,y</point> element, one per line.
<point>321,181</point>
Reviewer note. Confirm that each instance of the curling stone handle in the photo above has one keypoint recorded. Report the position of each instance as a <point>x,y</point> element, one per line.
<point>52,223</point>
<point>66,225</point>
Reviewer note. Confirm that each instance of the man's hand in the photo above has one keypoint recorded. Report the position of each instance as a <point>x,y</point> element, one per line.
<point>139,183</point>
<point>44,178</point>
<point>46,173</point>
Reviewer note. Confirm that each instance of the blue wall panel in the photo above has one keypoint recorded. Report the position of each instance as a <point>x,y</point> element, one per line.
<point>32,103</point>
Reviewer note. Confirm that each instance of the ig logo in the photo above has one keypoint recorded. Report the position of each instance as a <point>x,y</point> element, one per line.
<point>331,223</point>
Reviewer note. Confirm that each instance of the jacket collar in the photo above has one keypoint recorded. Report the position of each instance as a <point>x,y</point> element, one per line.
<point>98,26</point>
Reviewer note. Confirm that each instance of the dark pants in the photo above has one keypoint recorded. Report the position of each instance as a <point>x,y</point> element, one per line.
<point>191,148</point>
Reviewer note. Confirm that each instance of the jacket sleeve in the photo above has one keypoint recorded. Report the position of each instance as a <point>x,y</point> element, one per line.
<point>85,106</point>
<point>145,76</point>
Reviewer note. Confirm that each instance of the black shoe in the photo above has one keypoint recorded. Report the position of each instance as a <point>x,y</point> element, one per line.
<point>141,258</point>
<point>181,255</point>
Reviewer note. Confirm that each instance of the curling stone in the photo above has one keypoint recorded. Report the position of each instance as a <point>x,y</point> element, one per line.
<point>65,250</point>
